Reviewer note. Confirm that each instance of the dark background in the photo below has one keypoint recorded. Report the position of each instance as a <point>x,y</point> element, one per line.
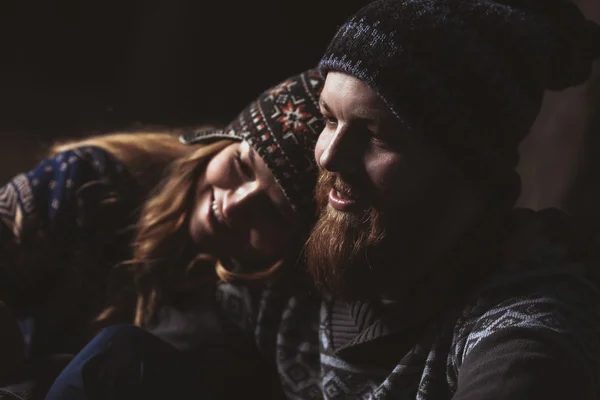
<point>75,67</point>
<point>72,65</point>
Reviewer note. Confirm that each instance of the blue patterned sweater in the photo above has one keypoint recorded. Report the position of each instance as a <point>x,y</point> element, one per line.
<point>63,225</point>
<point>529,331</point>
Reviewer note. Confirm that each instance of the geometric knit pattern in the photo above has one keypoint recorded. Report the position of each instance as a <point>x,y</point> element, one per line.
<point>545,295</point>
<point>49,215</point>
<point>282,125</point>
<point>44,193</point>
<point>15,394</point>
<point>16,204</point>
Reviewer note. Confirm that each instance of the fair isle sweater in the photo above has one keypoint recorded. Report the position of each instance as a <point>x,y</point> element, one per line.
<point>63,226</point>
<point>529,331</point>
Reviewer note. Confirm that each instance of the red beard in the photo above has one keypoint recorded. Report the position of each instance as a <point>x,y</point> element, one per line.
<point>341,247</point>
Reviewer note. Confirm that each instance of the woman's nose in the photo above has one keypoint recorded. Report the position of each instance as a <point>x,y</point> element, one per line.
<point>238,203</point>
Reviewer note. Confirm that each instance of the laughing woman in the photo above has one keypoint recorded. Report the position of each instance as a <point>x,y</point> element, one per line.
<point>63,226</point>
<point>175,214</point>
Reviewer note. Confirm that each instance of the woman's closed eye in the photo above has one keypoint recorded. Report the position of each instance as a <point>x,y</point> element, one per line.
<point>243,166</point>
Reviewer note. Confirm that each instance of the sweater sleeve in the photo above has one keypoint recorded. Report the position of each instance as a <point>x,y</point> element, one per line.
<point>523,364</point>
<point>41,213</point>
<point>240,305</point>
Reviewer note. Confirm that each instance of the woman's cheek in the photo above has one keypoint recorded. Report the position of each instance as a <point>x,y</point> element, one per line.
<point>269,243</point>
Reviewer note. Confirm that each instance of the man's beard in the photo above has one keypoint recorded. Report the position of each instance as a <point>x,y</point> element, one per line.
<point>342,246</point>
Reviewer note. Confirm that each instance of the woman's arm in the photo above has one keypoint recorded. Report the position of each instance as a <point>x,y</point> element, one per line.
<point>12,345</point>
<point>41,216</point>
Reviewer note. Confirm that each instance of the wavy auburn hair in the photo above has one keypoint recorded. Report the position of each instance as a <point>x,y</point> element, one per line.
<point>164,262</point>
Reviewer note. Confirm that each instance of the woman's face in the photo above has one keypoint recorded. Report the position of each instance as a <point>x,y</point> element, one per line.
<point>239,211</point>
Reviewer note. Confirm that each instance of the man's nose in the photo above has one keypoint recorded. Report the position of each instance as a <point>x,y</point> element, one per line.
<point>334,152</point>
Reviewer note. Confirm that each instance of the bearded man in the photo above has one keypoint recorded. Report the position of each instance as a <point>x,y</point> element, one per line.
<point>429,285</point>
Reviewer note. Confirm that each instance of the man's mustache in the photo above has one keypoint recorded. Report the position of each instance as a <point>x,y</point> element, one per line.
<point>328,181</point>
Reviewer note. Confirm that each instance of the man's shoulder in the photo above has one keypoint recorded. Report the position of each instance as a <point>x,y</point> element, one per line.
<point>549,297</point>
<point>561,307</point>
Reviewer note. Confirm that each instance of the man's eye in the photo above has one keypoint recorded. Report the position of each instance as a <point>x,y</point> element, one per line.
<point>330,121</point>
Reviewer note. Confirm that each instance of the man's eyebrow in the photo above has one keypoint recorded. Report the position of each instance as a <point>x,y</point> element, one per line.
<point>366,114</point>
<point>375,115</point>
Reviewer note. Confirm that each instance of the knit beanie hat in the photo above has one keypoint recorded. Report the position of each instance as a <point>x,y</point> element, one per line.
<point>282,125</point>
<point>468,75</point>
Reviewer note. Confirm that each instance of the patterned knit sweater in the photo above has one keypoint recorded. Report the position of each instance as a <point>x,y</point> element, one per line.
<point>531,330</point>
<point>63,226</point>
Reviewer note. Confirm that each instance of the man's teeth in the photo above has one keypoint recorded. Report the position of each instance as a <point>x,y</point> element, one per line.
<point>342,195</point>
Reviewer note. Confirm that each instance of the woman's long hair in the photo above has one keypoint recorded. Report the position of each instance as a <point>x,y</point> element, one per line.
<point>164,262</point>
<point>148,156</point>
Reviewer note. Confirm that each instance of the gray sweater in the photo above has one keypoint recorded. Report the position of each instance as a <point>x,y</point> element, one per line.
<point>530,330</point>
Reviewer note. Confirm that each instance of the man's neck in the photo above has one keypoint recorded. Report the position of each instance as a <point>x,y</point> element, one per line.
<point>458,236</point>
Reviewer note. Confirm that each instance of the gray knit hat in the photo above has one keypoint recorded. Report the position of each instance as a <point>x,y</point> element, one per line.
<point>468,74</point>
